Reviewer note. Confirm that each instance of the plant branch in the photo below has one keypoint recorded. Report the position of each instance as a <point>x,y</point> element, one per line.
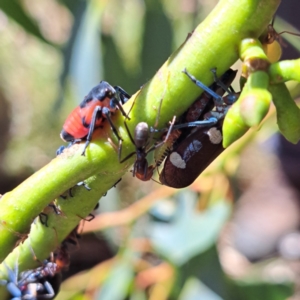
<point>214,43</point>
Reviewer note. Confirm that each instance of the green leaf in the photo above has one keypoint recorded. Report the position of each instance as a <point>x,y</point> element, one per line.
<point>86,64</point>
<point>194,289</point>
<point>262,281</point>
<point>113,65</point>
<point>15,10</point>
<point>191,232</point>
<point>262,290</point>
<point>73,5</point>
<point>207,268</point>
<point>138,294</point>
<point>78,9</point>
<point>119,280</point>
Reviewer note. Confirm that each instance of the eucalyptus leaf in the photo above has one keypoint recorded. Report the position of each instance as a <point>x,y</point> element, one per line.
<point>191,232</point>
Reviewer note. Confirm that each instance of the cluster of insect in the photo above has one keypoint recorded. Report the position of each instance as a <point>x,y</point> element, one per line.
<point>44,281</point>
<point>187,147</point>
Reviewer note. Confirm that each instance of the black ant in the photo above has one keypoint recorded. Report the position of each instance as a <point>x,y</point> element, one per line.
<point>141,140</point>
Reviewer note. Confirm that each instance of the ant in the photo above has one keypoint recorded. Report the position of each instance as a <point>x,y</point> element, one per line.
<point>141,170</point>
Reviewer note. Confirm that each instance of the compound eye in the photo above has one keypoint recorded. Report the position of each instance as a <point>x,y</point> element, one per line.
<point>109,93</point>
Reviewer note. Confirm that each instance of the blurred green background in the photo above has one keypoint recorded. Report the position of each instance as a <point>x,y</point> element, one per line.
<point>53,52</point>
<point>232,235</point>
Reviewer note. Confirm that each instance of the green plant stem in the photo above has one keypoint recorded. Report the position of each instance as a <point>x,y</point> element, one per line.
<point>285,70</point>
<point>287,112</point>
<point>214,43</point>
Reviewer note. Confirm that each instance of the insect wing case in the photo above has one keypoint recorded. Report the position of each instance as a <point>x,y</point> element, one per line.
<point>192,156</point>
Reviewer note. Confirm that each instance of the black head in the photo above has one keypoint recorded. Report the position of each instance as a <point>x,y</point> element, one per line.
<point>100,92</point>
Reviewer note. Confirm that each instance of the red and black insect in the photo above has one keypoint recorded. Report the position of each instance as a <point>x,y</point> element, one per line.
<point>195,149</point>
<point>100,103</point>
<point>141,169</point>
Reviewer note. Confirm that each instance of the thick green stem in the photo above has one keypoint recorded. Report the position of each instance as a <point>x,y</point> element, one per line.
<point>214,43</point>
<point>285,70</point>
<point>287,111</point>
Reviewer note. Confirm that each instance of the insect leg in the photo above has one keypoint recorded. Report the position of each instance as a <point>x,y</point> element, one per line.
<point>122,94</point>
<point>231,94</point>
<point>204,87</point>
<point>120,146</point>
<point>96,111</point>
